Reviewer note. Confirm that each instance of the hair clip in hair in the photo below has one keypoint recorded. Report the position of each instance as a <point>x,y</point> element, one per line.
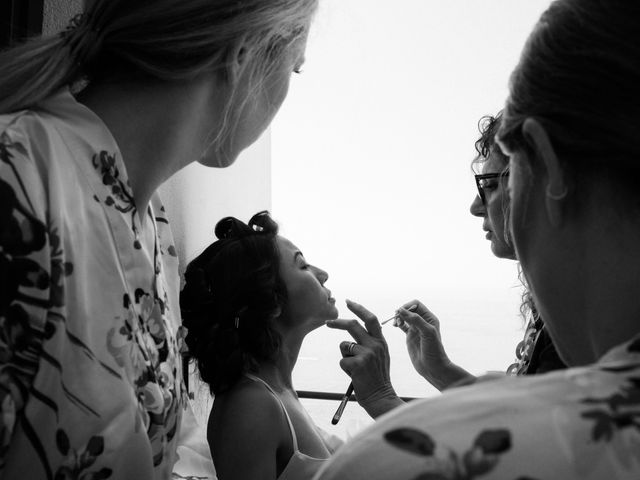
<point>71,27</point>
<point>257,228</point>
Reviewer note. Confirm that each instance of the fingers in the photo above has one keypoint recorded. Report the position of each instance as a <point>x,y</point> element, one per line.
<point>413,320</point>
<point>360,334</point>
<point>369,319</point>
<point>349,349</point>
<point>402,326</point>
<point>354,327</point>
<point>346,365</point>
<point>420,309</point>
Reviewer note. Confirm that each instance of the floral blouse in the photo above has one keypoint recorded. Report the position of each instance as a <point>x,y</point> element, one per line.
<point>90,369</point>
<point>580,423</point>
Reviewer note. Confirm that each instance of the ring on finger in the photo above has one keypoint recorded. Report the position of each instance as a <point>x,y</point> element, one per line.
<point>352,345</point>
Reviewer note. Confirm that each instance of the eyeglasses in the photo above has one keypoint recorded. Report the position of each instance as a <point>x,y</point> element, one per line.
<point>484,181</point>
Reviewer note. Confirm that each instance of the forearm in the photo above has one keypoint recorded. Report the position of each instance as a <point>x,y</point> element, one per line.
<point>447,375</point>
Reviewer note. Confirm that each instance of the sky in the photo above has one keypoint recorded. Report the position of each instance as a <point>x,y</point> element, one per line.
<point>371,173</point>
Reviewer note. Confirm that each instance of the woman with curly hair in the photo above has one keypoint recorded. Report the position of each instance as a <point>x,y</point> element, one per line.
<point>248,302</point>
<point>570,129</point>
<point>367,363</point>
<point>535,353</point>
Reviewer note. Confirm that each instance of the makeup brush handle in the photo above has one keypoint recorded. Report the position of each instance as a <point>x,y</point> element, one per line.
<point>343,404</point>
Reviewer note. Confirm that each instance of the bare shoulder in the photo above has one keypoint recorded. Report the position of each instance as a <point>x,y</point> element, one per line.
<point>248,404</point>
<point>247,422</point>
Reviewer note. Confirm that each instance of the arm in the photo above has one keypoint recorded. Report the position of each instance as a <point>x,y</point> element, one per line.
<point>247,430</point>
<point>426,350</point>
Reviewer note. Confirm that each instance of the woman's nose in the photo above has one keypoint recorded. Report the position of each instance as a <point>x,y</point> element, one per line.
<point>321,275</point>
<point>477,208</point>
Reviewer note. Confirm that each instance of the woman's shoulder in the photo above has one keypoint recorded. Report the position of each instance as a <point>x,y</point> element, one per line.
<point>495,426</point>
<point>248,424</point>
<point>247,406</point>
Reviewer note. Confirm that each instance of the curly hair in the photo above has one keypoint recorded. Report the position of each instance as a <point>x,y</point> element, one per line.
<point>486,145</point>
<point>232,292</point>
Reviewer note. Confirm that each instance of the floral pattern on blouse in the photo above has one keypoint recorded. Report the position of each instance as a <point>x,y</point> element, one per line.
<point>90,368</point>
<point>480,458</point>
<point>574,424</point>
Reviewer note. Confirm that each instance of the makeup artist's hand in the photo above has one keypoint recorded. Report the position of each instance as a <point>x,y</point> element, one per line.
<point>367,362</point>
<point>426,351</point>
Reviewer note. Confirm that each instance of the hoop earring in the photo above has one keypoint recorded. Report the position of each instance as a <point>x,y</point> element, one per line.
<point>556,196</point>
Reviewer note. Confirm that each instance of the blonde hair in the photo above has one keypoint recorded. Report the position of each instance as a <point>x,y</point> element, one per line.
<point>168,40</point>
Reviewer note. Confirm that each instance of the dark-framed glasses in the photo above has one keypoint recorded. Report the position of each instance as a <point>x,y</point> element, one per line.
<point>488,181</point>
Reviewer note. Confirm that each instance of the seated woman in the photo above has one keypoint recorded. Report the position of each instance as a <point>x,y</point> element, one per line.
<point>248,302</point>
<point>570,129</point>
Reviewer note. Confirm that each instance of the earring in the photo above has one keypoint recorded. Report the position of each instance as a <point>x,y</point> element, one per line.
<point>236,321</point>
<point>557,196</point>
<point>554,206</point>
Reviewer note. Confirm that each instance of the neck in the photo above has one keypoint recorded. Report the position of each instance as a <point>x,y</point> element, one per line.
<point>159,127</point>
<point>597,306</point>
<point>278,373</point>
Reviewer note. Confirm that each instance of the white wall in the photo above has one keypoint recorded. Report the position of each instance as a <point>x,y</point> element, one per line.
<point>197,197</point>
<point>56,14</point>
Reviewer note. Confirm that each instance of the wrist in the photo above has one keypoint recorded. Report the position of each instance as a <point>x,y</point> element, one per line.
<point>380,401</point>
<point>446,374</point>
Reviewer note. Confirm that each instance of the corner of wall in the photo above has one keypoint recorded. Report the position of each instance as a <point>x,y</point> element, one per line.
<point>57,13</point>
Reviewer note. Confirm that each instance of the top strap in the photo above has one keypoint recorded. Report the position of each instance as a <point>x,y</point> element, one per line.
<point>293,432</point>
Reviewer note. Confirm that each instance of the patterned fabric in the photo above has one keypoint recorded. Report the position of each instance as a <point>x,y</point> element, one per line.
<point>579,423</point>
<point>90,370</point>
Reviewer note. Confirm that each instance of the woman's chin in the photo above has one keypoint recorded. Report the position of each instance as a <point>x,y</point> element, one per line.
<point>219,159</point>
<point>502,250</point>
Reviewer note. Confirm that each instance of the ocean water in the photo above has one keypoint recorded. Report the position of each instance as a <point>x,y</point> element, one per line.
<point>480,334</point>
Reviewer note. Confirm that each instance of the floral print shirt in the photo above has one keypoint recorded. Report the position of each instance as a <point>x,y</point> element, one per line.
<point>579,423</point>
<point>90,369</point>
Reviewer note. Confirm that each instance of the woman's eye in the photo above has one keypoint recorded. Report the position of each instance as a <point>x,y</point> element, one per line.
<point>298,70</point>
<point>490,185</point>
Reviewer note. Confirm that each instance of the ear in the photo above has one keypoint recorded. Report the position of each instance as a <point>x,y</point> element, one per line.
<point>556,187</point>
<point>236,61</point>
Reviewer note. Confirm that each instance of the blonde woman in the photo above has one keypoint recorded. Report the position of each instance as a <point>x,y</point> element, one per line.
<point>90,371</point>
